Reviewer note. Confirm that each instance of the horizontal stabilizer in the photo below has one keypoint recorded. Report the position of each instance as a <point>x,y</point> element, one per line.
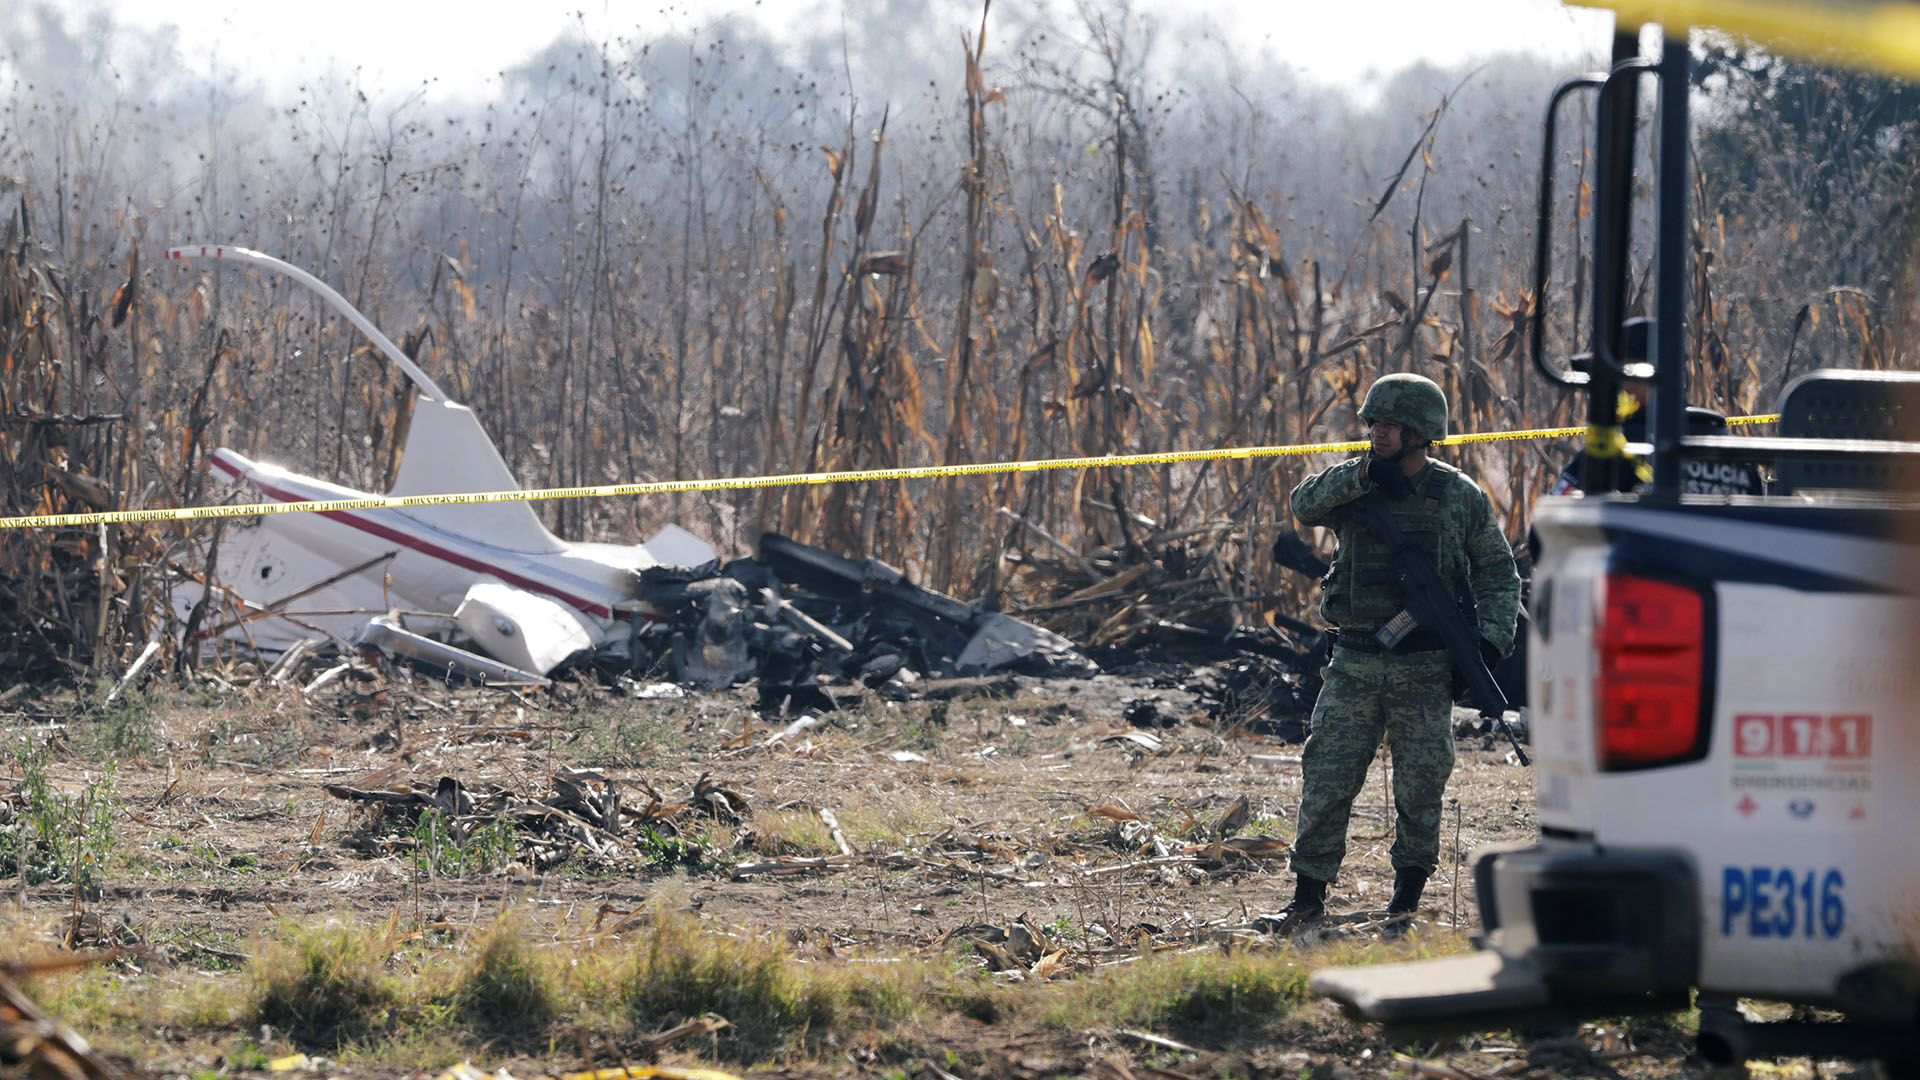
<point>675,546</point>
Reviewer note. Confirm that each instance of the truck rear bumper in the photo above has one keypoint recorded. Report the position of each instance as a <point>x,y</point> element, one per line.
<point>1569,927</point>
<point>1428,992</point>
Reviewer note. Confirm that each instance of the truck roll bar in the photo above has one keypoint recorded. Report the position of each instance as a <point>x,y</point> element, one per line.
<point>1542,240</point>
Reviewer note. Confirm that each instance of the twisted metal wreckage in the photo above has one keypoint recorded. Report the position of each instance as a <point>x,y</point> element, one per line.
<point>482,590</point>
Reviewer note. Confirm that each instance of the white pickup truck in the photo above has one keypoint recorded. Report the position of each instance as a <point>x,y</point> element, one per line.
<point>1725,696</point>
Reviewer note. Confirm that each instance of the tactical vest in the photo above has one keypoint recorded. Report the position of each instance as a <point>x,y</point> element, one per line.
<point>1362,588</point>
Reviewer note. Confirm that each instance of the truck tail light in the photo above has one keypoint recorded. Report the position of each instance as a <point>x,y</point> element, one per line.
<point>1651,692</point>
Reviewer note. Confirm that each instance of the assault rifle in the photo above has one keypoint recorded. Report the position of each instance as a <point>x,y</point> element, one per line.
<point>1429,604</point>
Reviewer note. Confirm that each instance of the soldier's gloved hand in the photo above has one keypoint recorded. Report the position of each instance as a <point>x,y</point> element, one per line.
<point>1386,476</point>
<point>1490,653</point>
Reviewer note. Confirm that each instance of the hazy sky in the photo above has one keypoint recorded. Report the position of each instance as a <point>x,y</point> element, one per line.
<point>399,43</point>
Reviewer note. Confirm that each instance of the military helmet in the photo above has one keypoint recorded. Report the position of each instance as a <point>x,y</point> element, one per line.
<point>1412,401</point>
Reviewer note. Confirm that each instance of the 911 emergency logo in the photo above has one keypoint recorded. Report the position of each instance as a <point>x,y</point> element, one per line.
<point>1802,768</point>
<point>1802,735</point>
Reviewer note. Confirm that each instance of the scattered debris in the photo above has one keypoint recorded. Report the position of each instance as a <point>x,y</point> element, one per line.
<point>1138,738</point>
<point>1159,1041</point>
<point>133,671</point>
<point>451,661</point>
<point>1145,713</point>
<point>972,858</point>
<point>584,814</point>
<point>657,691</point>
<point>817,629</point>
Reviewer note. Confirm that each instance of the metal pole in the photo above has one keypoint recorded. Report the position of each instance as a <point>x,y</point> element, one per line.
<point>1612,210</point>
<point>1667,420</point>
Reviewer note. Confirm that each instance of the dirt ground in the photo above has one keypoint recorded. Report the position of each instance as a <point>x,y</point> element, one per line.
<point>882,829</point>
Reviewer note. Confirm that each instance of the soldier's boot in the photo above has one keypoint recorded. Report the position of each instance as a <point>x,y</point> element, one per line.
<point>1308,904</point>
<point>1408,883</point>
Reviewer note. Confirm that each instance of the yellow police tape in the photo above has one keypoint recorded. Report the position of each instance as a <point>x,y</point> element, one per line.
<point>737,483</point>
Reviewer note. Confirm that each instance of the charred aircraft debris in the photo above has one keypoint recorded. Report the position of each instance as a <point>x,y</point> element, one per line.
<point>481,590</point>
<point>478,590</point>
<point>797,612</point>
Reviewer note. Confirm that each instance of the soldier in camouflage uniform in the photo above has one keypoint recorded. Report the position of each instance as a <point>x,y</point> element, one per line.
<point>1404,691</point>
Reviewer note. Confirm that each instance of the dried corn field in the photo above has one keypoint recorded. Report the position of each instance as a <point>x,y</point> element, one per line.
<point>74,596</point>
<point>692,260</point>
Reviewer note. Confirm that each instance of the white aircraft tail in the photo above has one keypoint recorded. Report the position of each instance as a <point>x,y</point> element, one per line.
<point>448,452</point>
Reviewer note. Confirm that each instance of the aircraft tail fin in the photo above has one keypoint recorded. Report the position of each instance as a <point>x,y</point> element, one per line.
<point>448,452</point>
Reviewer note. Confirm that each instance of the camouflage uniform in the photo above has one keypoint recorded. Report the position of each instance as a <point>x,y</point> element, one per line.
<point>1406,694</point>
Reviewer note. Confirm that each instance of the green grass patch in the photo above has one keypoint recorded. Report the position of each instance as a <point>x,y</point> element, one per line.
<point>665,850</point>
<point>59,837</point>
<point>1206,993</point>
<point>327,986</point>
<point>680,972</point>
<point>372,995</point>
<point>445,849</point>
<point>375,996</point>
<point>270,741</point>
<point>125,727</point>
<point>506,986</point>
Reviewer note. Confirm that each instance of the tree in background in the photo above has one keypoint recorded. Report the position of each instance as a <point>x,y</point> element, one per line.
<point>1807,179</point>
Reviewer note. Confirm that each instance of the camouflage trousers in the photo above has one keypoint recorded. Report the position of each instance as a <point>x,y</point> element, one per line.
<point>1409,699</point>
